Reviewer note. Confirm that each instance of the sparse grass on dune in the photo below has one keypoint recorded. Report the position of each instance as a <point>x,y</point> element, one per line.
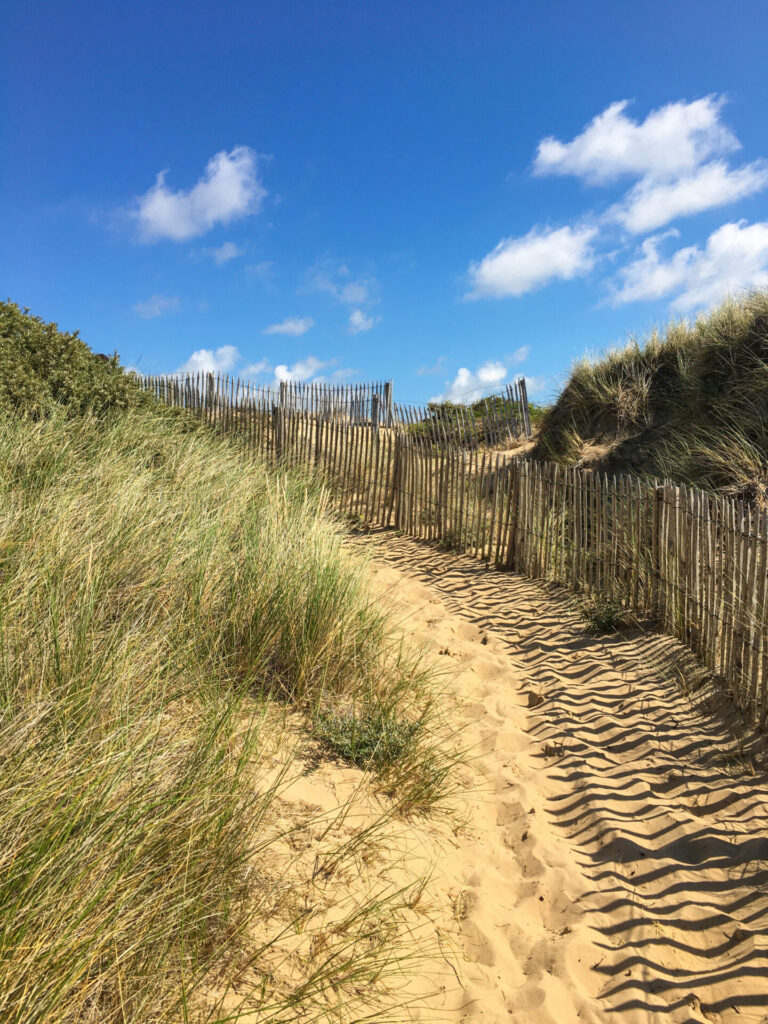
<point>155,591</point>
<point>689,402</point>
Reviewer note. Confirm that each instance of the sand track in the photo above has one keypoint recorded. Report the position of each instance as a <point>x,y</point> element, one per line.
<point>615,864</point>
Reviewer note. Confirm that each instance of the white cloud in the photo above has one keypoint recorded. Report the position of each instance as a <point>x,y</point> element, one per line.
<point>337,377</point>
<point>255,369</point>
<point>303,369</point>
<point>675,156</point>
<point>735,256</point>
<point>205,360</point>
<point>520,354</point>
<point>307,370</point>
<point>293,325</point>
<point>337,281</point>
<point>520,265</point>
<point>358,321</point>
<point>650,204</point>
<point>540,387</point>
<point>156,305</point>
<point>467,386</point>
<point>229,189</point>
<point>226,252</point>
<point>670,142</point>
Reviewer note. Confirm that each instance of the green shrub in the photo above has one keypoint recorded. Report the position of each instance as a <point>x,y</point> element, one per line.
<point>42,368</point>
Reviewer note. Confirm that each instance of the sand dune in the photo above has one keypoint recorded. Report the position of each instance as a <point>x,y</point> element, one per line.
<point>614,865</point>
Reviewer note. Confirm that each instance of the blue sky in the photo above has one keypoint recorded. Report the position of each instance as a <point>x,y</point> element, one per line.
<point>449,194</point>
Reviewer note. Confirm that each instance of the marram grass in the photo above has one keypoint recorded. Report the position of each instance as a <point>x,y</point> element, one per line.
<point>688,402</point>
<point>156,590</point>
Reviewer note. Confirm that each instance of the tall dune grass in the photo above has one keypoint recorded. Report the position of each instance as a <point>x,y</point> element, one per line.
<point>155,591</point>
<point>690,401</point>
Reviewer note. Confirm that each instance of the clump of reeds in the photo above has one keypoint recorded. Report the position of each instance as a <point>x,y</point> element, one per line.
<point>155,591</point>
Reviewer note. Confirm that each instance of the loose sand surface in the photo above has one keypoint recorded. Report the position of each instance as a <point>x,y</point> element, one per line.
<point>605,858</point>
<point>614,862</point>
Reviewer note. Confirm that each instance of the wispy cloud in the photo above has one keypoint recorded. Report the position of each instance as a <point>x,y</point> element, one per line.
<point>263,271</point>
<point>670,152</point>
<point>302,369</point>
<point>520,354</point>
<point>337,377</point>
<point>309,369</point>
<point>358,321</point>
<point>650,205</point>
<point>226,252</point>
<point>229,189</point>
<point>520,265</point>
<point>255,369</point>
<point>337,281</point>
<point>156,305</point>
<point>292,325</point>
<point>206,360</point>
<point>432,371</point>
<point>676,154</point>
<point>734,256</point>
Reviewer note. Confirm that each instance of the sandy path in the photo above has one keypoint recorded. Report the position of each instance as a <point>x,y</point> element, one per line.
<point>615,864</point>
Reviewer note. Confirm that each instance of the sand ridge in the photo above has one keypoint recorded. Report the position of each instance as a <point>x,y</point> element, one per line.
<point>615,861</point>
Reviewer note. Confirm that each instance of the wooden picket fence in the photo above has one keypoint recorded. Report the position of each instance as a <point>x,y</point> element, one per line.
<point>502,421</point>
<point>695,563</point>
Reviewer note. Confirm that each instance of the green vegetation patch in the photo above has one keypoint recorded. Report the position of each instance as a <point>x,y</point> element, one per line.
<point>43,369</point>
<point>603,615</point>
<point>376,738</point>
<point>689,402</point>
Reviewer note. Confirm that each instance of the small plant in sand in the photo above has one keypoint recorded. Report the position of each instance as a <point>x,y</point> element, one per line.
<point>602,615</point>
<point>374,739</point>
<point>451,541</point>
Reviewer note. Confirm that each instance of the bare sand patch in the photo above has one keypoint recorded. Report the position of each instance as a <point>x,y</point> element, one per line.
<point>614,865</point>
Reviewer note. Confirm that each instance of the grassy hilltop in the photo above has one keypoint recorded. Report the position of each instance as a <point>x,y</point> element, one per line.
<point>162,602</point>
<point>689,402</point>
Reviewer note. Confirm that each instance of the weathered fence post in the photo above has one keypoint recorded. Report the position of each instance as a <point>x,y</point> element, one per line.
<point>320,418</point>
<point>526,414</point>
<point>374,417</point>
<point>277,431</point>
<point>658,506</point>
<point>209,398</point>
<point>388,402</point>
<point>397,468</point>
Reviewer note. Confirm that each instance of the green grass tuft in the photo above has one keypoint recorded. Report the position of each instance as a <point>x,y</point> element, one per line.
<point>603,615</point>
<point>374,739</point>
